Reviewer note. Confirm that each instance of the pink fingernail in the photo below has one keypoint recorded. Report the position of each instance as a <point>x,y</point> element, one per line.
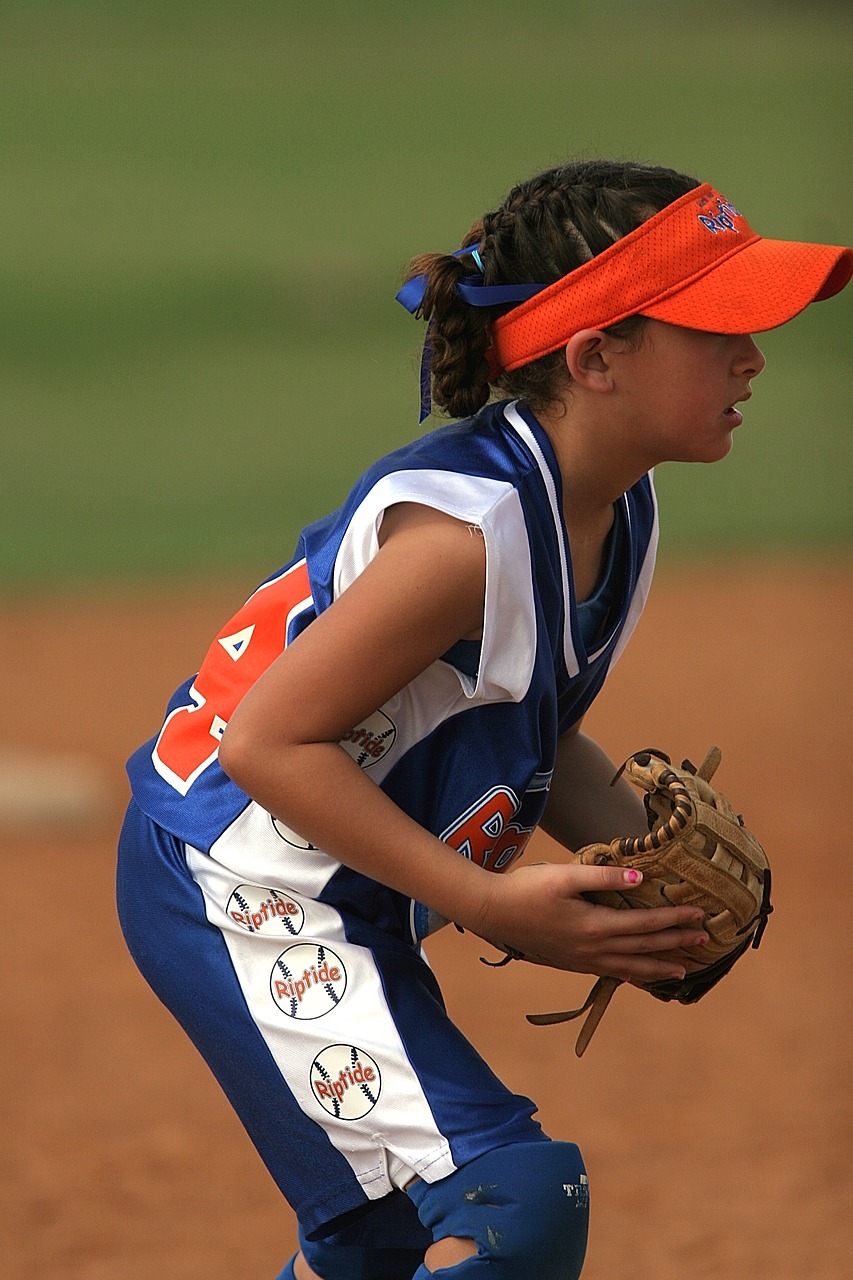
<point>632,877</point>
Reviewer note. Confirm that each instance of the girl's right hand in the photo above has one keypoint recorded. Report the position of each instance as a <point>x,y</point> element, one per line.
<point>540,911</point>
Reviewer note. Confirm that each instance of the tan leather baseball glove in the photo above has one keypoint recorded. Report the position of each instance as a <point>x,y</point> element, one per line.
<point>697,852</point>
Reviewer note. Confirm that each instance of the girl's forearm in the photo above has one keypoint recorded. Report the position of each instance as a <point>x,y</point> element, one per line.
<point>321,793</point>
<point>539,910</point>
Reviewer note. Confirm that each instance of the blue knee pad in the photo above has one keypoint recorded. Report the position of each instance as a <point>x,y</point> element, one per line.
<point>348,1263</point>
<point>525,1206</point>
<point>387,1242</point>
<point>358,1262</point>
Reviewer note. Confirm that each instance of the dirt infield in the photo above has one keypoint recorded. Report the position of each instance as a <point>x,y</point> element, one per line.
<point>718,1137</point>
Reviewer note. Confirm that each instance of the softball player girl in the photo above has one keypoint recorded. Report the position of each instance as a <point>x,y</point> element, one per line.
<point>371,740</point>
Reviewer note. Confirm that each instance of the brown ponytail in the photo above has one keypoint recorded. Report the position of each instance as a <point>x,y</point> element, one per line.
<point>458,333</point>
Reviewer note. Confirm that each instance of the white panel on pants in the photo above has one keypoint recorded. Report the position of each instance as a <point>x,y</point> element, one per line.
<point>318,1002</point>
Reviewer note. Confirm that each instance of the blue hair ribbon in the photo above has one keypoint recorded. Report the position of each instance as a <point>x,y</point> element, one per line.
<point>473,291</point>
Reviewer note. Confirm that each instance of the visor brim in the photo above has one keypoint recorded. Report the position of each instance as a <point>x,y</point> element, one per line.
<point>764,286</point>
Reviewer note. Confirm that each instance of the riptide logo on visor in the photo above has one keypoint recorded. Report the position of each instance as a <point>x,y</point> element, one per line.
<point>723,220</point>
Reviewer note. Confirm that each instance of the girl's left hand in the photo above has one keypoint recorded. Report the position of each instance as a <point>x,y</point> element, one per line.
<point>541,911</point>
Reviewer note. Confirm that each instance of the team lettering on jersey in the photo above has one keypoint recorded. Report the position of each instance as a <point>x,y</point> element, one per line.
<point>244,648</point>
<point>486,834</point>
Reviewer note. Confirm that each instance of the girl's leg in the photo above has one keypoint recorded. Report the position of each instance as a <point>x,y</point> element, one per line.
<point>386,1242</point>
<point>515,1212</point>
<point>331,1040</point>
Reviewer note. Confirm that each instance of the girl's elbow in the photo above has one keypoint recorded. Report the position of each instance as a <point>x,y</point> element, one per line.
<point>254,762</point>
<point>235,756</point>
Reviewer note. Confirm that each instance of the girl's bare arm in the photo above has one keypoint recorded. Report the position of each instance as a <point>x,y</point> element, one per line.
<point>584,804</point>
<point>423,591</point>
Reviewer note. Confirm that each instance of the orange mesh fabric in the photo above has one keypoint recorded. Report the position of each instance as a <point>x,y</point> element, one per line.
<point>697,263</point>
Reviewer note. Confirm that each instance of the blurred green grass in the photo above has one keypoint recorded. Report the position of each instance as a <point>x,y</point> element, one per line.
<point>205,208</point>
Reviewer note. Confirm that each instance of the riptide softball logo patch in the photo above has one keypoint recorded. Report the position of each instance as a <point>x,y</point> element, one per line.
<point>308,981</point>
<point>261,910</point>
<point>370,741</point>
<point>345,1081</point>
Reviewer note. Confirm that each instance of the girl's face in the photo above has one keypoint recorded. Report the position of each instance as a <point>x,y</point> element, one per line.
<point>680,388</point>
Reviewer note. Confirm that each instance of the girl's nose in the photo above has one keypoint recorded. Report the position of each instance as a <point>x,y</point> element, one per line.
<point>751,360</point>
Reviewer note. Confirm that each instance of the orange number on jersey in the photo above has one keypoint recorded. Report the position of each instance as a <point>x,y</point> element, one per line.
<point>486,834</point>
<point>245,647</point>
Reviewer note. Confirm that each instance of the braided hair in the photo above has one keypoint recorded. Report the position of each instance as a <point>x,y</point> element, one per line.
<point>545,228</point>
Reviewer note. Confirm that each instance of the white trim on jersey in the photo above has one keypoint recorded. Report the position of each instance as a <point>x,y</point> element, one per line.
<point>644,579</point>
<point>518,424</point>
<point>508,650</point>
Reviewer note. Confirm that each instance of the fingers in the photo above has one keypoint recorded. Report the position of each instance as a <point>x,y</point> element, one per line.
<point>637,968</point>
<point>543,911</point>
<point>584,879</point>
<point>654,920</point>
<point>638,945</point>
<point>661,941</point>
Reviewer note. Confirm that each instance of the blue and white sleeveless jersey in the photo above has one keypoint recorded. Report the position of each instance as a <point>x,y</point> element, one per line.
<point>301,981</point>
<point>467,755</point>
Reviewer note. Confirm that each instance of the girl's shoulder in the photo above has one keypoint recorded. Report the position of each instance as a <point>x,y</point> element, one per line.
<point>462,468</point>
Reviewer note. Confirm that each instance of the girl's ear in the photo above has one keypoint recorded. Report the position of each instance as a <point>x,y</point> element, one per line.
<point>588,360</point>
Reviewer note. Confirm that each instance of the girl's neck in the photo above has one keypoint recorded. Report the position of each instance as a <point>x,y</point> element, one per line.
<point>595,468</point>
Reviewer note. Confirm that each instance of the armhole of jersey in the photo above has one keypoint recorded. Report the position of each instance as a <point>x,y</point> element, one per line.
<point>508,648</point>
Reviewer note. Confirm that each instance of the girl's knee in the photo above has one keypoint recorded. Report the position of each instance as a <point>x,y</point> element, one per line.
<point>448,1252</point>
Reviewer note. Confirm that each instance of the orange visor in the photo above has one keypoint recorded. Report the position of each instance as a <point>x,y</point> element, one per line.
<point>697,264</point>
